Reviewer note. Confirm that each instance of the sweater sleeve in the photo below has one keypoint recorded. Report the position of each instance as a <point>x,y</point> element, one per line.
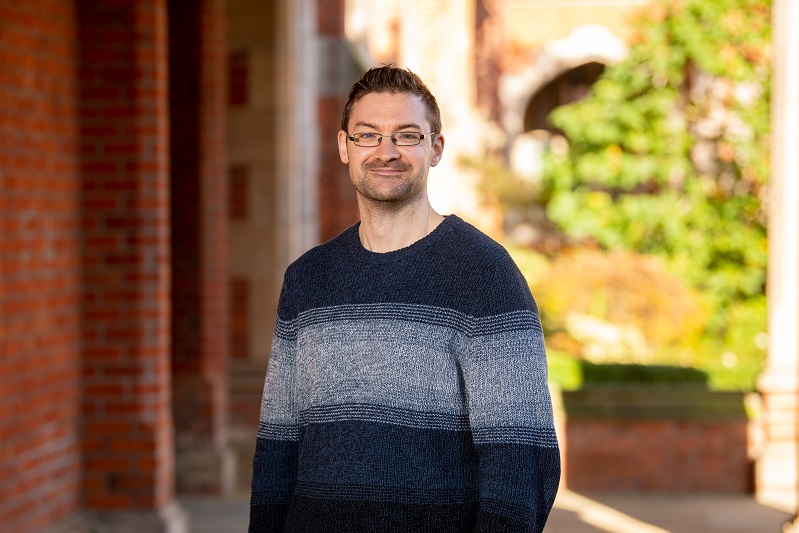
<point>504,368</point>
<point>276,447</point>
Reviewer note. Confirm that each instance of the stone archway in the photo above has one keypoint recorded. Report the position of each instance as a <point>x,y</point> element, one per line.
<point>525,149</point>
<point>584,45</point>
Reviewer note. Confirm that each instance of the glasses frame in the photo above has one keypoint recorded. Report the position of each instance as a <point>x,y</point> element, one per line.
<point>422,136</point>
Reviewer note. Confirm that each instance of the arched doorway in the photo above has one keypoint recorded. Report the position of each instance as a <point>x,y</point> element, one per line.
<point>569,86</point>
<point>563,63</point>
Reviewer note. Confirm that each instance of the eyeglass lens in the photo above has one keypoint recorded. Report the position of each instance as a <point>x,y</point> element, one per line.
<point>409,138</point>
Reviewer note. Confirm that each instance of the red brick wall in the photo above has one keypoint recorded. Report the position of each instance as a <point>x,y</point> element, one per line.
<point>238,192</point>
<point>39,265</point>
<point>657,455</point>
<point>128,434</point>
<point>198,99</point>
<point>239,317</point>
<point>238,78</point>
<point>338,207</point>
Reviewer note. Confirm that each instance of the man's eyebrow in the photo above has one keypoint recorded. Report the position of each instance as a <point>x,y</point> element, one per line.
<point>365,125</point>
<point>399,128</point>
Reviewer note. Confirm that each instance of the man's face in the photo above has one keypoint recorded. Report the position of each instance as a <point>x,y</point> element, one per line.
<point>388,173</point>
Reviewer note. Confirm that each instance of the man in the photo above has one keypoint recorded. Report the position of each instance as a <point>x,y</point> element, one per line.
<point>407,385</point>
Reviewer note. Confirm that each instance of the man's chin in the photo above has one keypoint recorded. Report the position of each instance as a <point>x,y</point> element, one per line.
<point>388,197</point>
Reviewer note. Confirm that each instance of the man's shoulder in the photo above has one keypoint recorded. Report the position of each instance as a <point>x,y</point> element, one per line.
<point>488,270</point>
<point>478,248</point>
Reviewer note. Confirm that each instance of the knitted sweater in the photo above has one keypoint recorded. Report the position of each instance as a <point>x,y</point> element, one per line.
<point>406,391</point>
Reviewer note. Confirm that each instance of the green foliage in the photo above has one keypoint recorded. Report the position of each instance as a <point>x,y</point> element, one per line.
<point>564,370</point>
<point>667,156</point>
<point>533,266</point>
<point>734,360</point>
<point>637,373</point>
<point>571,373</point>
<point>668,153</point>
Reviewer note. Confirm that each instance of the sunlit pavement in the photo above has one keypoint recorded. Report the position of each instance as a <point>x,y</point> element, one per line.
<point>573,513</point>
<point>660,513</point>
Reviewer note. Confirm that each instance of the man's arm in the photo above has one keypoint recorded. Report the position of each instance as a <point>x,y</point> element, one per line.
<point>505,374</point>
<point>275,460</point>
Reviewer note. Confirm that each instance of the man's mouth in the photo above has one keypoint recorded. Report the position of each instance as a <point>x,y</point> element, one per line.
<point>387,169</point>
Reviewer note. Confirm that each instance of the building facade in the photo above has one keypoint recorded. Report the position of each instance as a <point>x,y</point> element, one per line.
<point>162,161</point>
<point>135,204</point>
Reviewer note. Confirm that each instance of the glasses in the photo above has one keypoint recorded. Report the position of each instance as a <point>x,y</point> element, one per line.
<point>402,138</point>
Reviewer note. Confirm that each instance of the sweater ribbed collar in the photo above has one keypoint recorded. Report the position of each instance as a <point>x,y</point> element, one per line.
<point>438,236</point>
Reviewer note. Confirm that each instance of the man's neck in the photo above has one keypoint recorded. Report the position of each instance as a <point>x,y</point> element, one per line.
<point>387,230</point>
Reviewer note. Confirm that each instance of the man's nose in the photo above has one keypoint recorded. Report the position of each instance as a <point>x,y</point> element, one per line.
<point>387,149</point>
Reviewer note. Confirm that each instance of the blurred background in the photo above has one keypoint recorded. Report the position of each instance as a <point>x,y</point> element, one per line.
<point>163,161</point>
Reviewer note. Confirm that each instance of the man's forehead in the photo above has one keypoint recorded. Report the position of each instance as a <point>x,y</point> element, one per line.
<point>392,125</point>
<point>396,110</point>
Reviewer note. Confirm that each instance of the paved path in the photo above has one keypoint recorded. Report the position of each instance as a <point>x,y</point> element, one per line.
<point>647,513</point>
<point>574,513</point>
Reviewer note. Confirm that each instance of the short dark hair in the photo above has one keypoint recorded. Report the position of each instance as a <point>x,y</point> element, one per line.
<point>395,80</point>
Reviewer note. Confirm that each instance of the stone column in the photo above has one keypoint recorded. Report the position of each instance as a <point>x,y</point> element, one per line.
<point>336,72</point>
<point>778,468</point>
<point>128,433</point>
<point>198,149</point>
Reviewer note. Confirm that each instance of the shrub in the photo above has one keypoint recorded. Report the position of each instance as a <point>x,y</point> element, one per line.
<point>621,288</point>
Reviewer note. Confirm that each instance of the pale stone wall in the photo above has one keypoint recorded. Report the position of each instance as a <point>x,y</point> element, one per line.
<point>271,136</point>
<point>437,42</point>
<point>529,24</point>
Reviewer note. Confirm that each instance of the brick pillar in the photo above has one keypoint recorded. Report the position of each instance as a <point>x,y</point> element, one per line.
<point>128,439</point>
<point>198,53</point>
<point>338,206</point>
<point>40,282</point>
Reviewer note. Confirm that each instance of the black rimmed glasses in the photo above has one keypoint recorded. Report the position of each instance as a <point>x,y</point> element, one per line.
<point>401,138</point>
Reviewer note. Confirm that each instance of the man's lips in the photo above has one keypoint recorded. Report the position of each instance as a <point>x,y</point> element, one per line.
<point>388,170</point>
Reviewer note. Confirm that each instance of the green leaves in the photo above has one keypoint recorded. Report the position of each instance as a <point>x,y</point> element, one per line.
<point>668,152</point>
<point>667,156</point>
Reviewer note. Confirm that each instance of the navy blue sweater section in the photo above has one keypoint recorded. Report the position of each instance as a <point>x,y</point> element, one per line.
<point>446,269</point>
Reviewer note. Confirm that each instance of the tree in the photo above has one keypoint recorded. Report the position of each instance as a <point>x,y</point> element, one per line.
<point>668,154</point>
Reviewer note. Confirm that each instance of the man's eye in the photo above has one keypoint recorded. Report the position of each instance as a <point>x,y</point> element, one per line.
<point>408,135</point>
<point>366,135</point>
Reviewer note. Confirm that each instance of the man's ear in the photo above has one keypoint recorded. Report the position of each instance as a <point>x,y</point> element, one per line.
<point>342,147</point>
<point>438,150</point>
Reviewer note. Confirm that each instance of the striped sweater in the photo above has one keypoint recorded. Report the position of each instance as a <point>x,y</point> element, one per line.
<point>406,391</point>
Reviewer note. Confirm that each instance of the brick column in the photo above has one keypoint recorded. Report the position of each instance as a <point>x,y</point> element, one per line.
<point>40,262</point>
<point>198,52</point>
<point>128,439</point>
<point>778,468</point>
